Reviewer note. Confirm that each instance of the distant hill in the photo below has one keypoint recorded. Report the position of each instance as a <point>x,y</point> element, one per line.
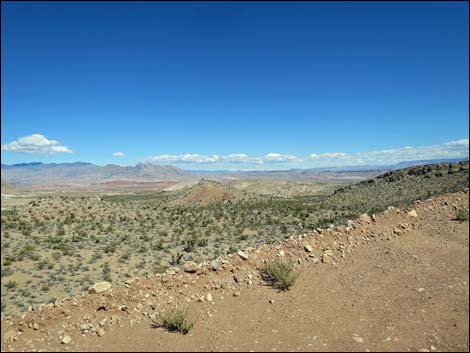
<point>206,192</point>
<point>80,173</point>
<point>281,188</point>
<point>8,188</point>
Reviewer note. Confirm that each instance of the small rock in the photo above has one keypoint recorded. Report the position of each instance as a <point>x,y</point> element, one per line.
<point>100,332</point>
<point>99,287</point>
<point>282,253</point>
<point>10,336</point>
<point>215,265</point>
<point>236,294</point>
<point>85,327</point>
<point>365,218</point>
<point>308,248</point>
<point>413,214</point>
<point>190,267</point>
<point>66,339</point>
<point>243,255</point>
<point>129,281</point>
<point>209,297</point>
<point>358,339</point>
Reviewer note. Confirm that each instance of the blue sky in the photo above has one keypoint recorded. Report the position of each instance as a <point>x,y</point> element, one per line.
<point>234,85</point>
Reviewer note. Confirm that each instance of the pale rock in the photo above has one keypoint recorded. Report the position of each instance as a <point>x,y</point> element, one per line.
<point>100,332</point>
<point>243,255</point>
<point>99,287</point>
<point>66,339</point>
<point>190,267</point>
<point>358,339</point>
<point>365,218</point>
<point>326,258</point>
<point>215,265</point>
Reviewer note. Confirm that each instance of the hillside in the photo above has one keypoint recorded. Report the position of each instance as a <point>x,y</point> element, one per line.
<point>8,188</point>
<point>281,188</point>
<point>206,192</point>
<point>400,187</point>
<point>397,283</point>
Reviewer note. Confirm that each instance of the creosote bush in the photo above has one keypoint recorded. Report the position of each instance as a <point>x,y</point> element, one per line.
<point>174,320</point>
<point>281,273</point>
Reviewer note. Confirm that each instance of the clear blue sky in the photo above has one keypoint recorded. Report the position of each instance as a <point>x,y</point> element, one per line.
<point>294,79</point>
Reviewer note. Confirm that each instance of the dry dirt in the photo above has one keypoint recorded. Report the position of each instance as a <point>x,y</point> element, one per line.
<point>396,283</point>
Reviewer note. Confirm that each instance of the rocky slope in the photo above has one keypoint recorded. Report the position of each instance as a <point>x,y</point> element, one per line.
<point>401,187</point>
<point>395,281</point>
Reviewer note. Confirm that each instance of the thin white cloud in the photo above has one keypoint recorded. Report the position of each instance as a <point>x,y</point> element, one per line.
<point>185,158</point>
<point>118,154</point>
<point>453,149</point>
<point>35,144</point>
<point>278,157</point>
<point>314,156</point>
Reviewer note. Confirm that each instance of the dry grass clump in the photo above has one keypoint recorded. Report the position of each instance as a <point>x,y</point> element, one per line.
<point>174,320</point>
<point>281,273</point>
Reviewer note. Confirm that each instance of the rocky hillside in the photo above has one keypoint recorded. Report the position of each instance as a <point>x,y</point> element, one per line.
<point>401,187</point>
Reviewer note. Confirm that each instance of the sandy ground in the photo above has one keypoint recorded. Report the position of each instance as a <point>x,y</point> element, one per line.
<point>390,293</point>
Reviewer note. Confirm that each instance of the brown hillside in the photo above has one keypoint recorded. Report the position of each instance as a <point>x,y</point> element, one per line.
<point>206,192</point>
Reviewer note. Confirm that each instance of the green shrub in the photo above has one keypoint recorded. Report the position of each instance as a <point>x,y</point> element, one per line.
<point>462,215</point>
<point>11,284</point>
<point>281,273</point>
<point>174,320</point>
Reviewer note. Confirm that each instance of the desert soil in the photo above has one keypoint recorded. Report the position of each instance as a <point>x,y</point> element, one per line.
<point>402,285</point>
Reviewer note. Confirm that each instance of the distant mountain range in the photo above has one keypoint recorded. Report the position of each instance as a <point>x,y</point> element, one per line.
<point>80,173</point>
<point>340,168</point>
<point>87,173</point>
